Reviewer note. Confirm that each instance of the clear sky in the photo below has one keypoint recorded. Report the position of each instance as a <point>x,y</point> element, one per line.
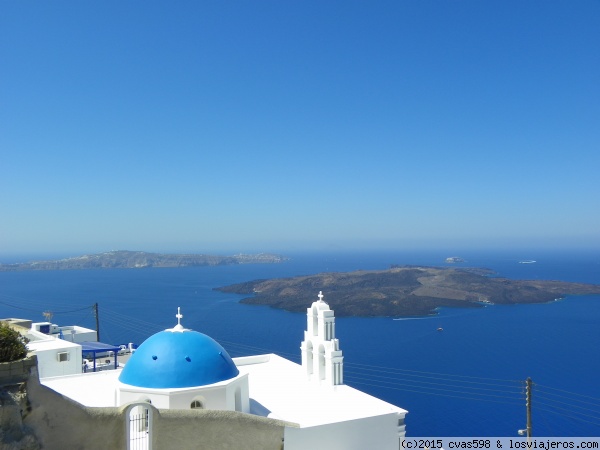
<point>283,125</point>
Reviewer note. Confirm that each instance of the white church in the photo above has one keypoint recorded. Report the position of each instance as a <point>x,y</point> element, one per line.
<point>178,371</point>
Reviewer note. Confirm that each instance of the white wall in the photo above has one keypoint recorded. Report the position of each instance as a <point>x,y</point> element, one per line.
<point>71,333</point>
<point>79,334</point>
<point>158,399</point>
<point>214,397</point>
<point>379,433</point>
<point>49,365</point>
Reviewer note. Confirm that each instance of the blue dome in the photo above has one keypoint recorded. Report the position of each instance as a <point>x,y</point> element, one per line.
<point>178,359</point>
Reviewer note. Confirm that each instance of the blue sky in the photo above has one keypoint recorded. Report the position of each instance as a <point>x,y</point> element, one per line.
<point>286,125</point>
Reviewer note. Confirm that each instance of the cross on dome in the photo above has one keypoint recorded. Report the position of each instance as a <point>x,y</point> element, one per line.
<point>178,327</point>
<point>320,296</point>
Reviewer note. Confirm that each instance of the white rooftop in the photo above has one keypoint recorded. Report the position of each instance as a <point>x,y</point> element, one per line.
<point>50,343</point>
<point>278,389</point>
<point>98,389</point>
<point>282,391</point>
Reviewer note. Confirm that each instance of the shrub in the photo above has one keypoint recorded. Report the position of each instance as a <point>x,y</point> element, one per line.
<point>13,346</point>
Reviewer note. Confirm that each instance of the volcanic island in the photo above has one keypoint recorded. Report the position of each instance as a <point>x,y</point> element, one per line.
<point>403,291</point>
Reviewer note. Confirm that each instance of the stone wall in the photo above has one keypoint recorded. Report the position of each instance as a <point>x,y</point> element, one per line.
<point>204,429</point>
<point>59,422</point>
<point>14,405</point>
<point>16,371</point>
<point>38,417</point>
<point>13,433</point>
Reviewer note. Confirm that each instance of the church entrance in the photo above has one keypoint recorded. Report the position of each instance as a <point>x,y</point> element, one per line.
<point>139,426</point>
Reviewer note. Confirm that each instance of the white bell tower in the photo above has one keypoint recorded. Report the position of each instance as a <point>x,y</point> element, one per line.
<point>322,358</point>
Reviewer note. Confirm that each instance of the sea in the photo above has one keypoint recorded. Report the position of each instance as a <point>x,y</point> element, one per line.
<point>467,380</point>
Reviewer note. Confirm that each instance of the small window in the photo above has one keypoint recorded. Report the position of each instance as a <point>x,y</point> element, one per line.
<point>196,404</point>
<point>62,356</point>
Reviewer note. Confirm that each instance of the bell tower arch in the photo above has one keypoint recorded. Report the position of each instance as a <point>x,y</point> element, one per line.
<point>322,358</point>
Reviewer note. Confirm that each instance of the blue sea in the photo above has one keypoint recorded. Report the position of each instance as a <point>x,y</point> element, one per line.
<point>467,380</point>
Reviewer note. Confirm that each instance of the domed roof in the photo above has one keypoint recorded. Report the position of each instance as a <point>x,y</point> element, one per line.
<point>178,358</point>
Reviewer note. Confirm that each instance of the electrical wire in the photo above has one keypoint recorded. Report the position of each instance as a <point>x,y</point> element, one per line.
<point>432,389</point>
<point>34,305</point>
<point>543,397</point>
<point>578,419</point>
<point>465,387</point>
<point>434,393</point>
<point>567,392</point>
<point>433,375</point>
<point>371,367</point>
<point>429,383</point>
<point>37,310</point>
<point>569,411</point>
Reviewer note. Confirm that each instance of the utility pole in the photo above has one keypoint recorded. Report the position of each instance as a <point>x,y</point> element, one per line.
<point>528,386</point>
<point>527,430</point>
<point>97,322</point>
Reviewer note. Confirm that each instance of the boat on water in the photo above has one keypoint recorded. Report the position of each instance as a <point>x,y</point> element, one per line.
<point>440,329</point>
<point>527,261</point>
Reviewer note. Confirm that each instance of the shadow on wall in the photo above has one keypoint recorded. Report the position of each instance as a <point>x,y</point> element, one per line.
<point>43,415</point>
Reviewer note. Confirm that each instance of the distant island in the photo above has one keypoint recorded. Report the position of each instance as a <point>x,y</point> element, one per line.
<point>454,259</point>
<point>403,291</point>
<point>125,259</point>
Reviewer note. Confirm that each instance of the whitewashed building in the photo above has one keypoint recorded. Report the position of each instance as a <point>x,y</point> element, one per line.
<point>56,356</point>
<point>183,369</point>
<point>71,333</point>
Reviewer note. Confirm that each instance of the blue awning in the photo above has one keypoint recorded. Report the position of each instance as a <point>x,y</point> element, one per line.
<point>90,347</point>
<point>98,347</point>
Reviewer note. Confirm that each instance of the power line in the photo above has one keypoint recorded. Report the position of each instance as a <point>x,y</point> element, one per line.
<point>538,395</point>
<point>435,393</point>
<point>569,411</point>
<point>568,392</point>
<point>421,373</point>
<point>566,415</point>
<point>453,383</point>
<point>53,312</point>
<point>442,377</point>
<point>20,307</point>
<point>444,388</point>
<point>466,387</point>
<point>39,304</point>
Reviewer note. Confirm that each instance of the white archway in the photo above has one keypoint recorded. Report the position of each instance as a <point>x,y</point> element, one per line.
<point>138,425</point>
